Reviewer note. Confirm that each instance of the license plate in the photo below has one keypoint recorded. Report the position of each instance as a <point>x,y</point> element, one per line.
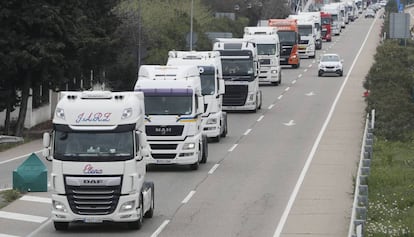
<point>163,161</point>
<point>93,220</point>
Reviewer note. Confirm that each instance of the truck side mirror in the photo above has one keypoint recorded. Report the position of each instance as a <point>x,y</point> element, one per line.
<point>46,146</point>
<point>141,142</point>
<point>222,87</point>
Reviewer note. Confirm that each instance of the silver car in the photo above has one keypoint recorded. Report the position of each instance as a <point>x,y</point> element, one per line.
<point>330,64</point>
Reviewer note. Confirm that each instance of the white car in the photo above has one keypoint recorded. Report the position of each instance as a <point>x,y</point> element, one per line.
<point>330,64</point>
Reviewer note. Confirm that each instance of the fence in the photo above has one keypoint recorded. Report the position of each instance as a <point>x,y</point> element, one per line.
<point>360,205</point>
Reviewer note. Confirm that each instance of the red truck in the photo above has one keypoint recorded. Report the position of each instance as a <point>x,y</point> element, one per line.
<point>326,19</point>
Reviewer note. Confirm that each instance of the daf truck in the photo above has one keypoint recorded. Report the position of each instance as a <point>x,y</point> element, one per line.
<point>174,107</point>
<point>97,147</point>
<point>287,30</point>
<point>268,52</point>
<point>214,119</point>
<point>241,74</point>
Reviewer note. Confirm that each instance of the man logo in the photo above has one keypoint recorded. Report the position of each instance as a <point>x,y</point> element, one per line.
<point>201,70</point>
<point>163,130</point>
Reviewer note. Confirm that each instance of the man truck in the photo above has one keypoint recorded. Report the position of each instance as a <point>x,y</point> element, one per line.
<point>214,119</point>
<point>268,52</point>
<point>240,72</point>
<point>97,147</point>
<point>174,107</point>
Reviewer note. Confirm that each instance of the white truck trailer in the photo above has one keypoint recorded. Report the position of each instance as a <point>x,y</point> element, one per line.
<point>241,74</point>
<point>214,119</point>
<point>268,52</point>
<point>174,107</point>
<point>97,148</point>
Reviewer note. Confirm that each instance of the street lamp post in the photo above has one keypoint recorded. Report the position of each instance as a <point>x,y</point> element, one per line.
<point>191,25</point>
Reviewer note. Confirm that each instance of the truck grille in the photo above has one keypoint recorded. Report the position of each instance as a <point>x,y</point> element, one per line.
<point>173,130</point>
<point>163,146</point>
<point>235,95</point>
<point>164,156</point>
<point>93,199</point>
<point>265,61</point>
<point>286,50</point>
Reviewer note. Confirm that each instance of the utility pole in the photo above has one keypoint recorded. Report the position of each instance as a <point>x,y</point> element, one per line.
<point>191,25</point>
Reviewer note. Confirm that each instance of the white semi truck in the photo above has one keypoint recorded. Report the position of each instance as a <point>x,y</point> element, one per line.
<point>268,52</point>
<point>174,108</point>
<point>317,20</point>
<point>241,74</point>
<point>97,148</point>
<point>214,119</point>
<point>307,33</point>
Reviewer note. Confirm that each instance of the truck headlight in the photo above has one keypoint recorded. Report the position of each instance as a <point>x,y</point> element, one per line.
<point>126,113</point>
<point>212,121</point>
<point>127,206</point>
<point>273,72</point>
<point>60,113</point>
<point>189,146</point>
<point>58,206</point>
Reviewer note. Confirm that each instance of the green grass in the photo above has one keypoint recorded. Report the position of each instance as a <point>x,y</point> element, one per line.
<point>8,196</point>
<point>391,190</point>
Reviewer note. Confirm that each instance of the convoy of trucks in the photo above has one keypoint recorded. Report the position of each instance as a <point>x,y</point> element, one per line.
<point>174,107</point>
<point>287,30</point>
<point>268,52</point>
<point>241,74</point>
<point>214,119</point>
<point>97,148</point>
<point>102,141</point>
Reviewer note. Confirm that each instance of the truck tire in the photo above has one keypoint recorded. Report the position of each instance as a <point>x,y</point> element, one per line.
<point>136,225</point>
<point>150,212</point>
<point>205,150</point>
<point>61,225</point>
<point>225,129</point>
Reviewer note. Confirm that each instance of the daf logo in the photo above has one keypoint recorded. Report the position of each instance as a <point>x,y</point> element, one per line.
<point>163,130</point>
<point>92,181</point>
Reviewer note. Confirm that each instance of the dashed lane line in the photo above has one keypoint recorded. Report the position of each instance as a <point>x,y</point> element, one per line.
<point>233,147</point>
<point>189,196</point>
<point>159,230</point>
<point>22,217</point>
<point>260,118</point>
<point>247,132</point>
<point>213,168</point>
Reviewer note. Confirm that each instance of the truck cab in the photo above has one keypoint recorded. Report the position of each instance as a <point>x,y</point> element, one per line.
<point>97,147</point>
<point>317,21</point>
<point>337,22</point>
<point>174,108</point>
<point>287,30</point>
<point>326,26</point>
<point>307,35</point>
<point>214,119</point>
<point>268,52</point>
<point>241,74</point>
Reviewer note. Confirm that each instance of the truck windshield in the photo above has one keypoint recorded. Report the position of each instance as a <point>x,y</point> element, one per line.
<point>93,146</point>
<point>334,17</point>
<point>168,104</point>
<point>207,84</point>
<point>287,37</point>
<point>241,68</point>
<point>326,21</point>
<point>305,30</point>
<point>266,49</point>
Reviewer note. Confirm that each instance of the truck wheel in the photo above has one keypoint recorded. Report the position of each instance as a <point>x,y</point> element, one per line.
<point>61,225</point>
<point>150,211</point>
<point>205,150</point>
<point>136,225</point>
<point>195,166</point>
<point>224,133</point>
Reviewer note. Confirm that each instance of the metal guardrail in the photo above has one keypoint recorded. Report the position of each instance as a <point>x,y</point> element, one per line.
<point>360,205</point>
<point>10,139</point>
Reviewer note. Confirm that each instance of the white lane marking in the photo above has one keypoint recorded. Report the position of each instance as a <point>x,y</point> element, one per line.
<point>310,93</point>
<point>280,97</point>
<point>305,70</point>
<point>36,199</point>
<point>310,65</point>
<point>213,168</point>
<point>300,75</point>
<point>294,81</point>
<point>290,123</point>
<point>271,106</point>
<point>162,226</point>
<point>189,196</point>
<point>260,118</point>
<point>247,131</point>
<point>22,217</point>
<point>233,147</point>
<point>302,175</point>
<point>4,235</point>
<point>19,157</point>
<point>287,88</point>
